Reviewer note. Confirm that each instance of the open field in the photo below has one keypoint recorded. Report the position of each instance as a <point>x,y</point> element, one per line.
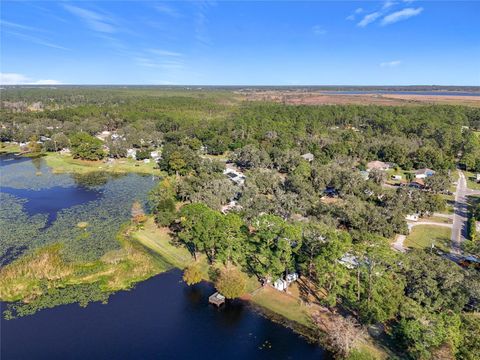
<point>322,98</point>
<point>423,236</point>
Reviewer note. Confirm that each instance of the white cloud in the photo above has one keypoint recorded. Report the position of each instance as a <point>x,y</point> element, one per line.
<point>401,15</point>
<point>318,30</point>
<point>94,20</point>
<point>161,52</point>
<point>388,4</point>
<point>369,18</point>
<point>357,11</point>
<point>20,79</point>
<point>391,64</point>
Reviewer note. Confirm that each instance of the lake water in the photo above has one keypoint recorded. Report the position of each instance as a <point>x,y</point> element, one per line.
<point>161,318</point>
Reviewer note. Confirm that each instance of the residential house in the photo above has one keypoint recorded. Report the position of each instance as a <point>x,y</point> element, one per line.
<point>378,165</point>
<point>155,155</point>
<point>234,174</point>
<point>478,178</point>
<point>424,173</point>
<point>291,277</point>
<point>308,156</point>
<point>132,153</point>
<point>280,285</point>
<point>417,184</point>
<point>412,217</point>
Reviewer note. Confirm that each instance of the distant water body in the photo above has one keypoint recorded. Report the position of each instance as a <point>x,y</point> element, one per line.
<point>162,318</point>
<point>385,92</point>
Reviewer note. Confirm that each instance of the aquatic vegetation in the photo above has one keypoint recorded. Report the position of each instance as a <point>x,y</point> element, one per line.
<point>87,230</point>
<point>18,229</point>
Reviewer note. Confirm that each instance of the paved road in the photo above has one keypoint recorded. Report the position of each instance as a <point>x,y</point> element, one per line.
<point>460,216</point>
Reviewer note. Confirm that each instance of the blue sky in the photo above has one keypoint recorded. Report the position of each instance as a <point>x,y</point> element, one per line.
<point>241,43</point>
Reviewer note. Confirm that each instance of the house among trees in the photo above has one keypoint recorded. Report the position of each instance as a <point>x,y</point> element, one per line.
<point>132,153</point>
<point>291,277</point>
<point>280,284</point>
<point>378,165</point>
<point>412,217</point>
<point>308,156</point>
<point>417,184</point>
<point>424,173</point>
<point>235,175</point>
<point>478,178</point>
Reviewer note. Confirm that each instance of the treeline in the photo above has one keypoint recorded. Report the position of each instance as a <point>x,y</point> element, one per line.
<point>412,137</point>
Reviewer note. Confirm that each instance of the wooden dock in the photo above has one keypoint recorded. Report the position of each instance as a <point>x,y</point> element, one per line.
<point>217,299</point>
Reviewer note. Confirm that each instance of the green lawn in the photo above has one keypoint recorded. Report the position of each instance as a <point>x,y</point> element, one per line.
<point>471,180</point>
<point>158,240</point>
<point>66,164</point>
<point>282,304</point>
<point>9,148</point>
<point>422,236</point>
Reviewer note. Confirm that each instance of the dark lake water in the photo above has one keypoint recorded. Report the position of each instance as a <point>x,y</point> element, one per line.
<point>50,201</point>
<point>162,318</point>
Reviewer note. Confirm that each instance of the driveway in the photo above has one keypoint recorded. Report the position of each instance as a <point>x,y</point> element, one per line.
<point>460,216</point>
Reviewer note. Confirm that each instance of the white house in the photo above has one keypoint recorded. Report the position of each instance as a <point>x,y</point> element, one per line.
<point>155,155</point>
<point>478,178</point>
<point>412,217</point>
<point>132,153</point>
<point>280,285</point>
<point>234,175</point>
<point>424,173</point>
<point>308,156</point>
<point>291,277</point>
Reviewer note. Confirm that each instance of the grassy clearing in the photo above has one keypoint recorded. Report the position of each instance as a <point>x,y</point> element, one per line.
<point>423,236</point>
<point>8,148</point>
<point>29,277</point>
<point>282,304</point>
<point>159,241</point>
<point>438,219</point>
<point>66,164</point>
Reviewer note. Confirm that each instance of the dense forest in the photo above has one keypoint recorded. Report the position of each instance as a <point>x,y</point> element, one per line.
<point>304,204</point>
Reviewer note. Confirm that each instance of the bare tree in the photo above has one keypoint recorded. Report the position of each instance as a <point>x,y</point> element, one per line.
<point>341,333</point>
